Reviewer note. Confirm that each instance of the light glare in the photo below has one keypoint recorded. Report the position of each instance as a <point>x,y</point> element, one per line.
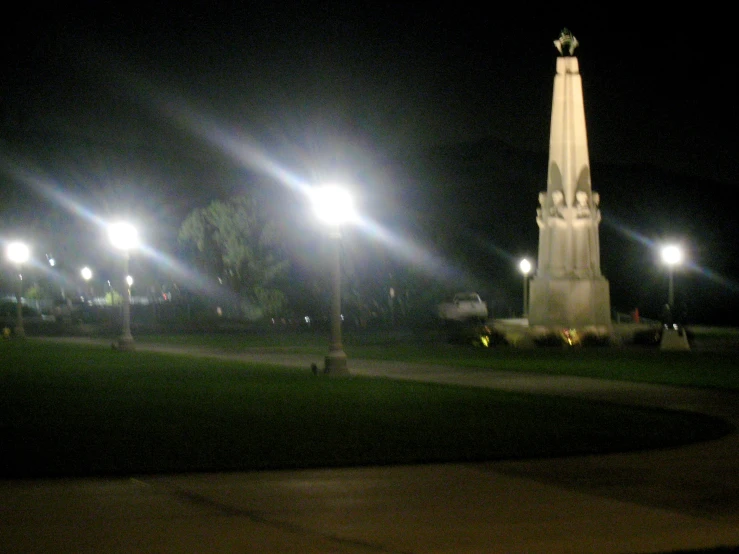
<point>123,235</point>
<point>525,266</point>
<point>672,255</point>
<point>333,205</point>
<point>18,252</point>
<point>86,273</point>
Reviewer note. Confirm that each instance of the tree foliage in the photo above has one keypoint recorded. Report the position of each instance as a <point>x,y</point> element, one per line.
<point>236,243</point>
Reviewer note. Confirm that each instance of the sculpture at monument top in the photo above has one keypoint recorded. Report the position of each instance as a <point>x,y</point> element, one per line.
<point>566,43</point>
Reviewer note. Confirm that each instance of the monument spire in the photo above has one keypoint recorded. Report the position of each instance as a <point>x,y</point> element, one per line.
<point>569,289</point>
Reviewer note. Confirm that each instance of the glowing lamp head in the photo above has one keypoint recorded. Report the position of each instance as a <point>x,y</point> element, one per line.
<point>672,255</point>
<point>525,266</point>
<point>129,280</point>
<point>86,273</point>
<point>18,252</point>
<point>333,205</point>
<point>123,236</point>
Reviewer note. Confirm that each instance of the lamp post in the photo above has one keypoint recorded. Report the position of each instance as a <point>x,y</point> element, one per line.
<point>86,273</point>
<point>334,206</point>
<point>525,267</point>
<point>125,237</point>
<point>673,335</point>
<point>18,253</point>
<point>672,255</point>
<point>53,263</point>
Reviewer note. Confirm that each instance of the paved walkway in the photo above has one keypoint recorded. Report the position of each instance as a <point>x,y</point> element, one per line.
<point>655,501</point>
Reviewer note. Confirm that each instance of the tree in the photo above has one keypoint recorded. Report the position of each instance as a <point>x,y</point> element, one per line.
<point>235,242</point>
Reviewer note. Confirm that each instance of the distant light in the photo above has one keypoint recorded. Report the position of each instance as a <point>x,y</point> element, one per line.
<point>123,235</point>
<point>86,273</point>
<point>18,252</point>
<point>129,280</point>
<point>525,266</point>
<point>52,262</point>
<point>672,255</point>
<point>333,205</point>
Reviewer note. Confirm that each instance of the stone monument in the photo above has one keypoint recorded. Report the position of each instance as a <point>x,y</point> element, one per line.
<point>568,290</point>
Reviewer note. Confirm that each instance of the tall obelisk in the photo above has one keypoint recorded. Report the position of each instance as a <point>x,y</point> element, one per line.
<point>569,289</point>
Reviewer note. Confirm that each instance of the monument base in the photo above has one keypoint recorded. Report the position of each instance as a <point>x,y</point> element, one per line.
<point>583,304</point>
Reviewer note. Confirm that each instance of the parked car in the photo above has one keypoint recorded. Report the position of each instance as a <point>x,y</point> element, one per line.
<point>464,306</point>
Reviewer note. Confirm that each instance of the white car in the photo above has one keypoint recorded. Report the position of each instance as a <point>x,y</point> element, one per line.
<point>464,306</point>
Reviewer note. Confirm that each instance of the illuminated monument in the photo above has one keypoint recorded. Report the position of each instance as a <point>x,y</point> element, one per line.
<point>569,289</point>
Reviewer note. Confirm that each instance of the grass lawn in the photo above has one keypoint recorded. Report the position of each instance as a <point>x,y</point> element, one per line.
<point>70,410</point>
<point>647,365</point>
<point>700,369</point>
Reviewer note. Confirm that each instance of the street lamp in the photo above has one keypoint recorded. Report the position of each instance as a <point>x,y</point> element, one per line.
<point>86,273</point>
<point>525,267</point>
<point>334,206</point>
<point>672,255</point>
<point>125,237</point>
<point>52,263</point>
<point>673,336</point>
<point>18,253</point>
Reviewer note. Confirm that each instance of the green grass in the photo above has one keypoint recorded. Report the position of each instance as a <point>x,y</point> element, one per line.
<point>296,342</point>
<point>700,369</point>
<point>646,365</point>
<point>80,410</point>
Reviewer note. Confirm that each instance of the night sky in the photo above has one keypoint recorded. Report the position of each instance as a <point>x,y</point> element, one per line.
<point>110,103</point>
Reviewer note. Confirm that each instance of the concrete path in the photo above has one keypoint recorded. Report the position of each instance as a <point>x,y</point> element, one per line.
<point>656,501</point>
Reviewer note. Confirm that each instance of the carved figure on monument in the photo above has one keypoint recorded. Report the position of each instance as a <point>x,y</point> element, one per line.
<point>558,204</point>
<point>583,210</point>
<point>566,43</point>
<point>540,209</point>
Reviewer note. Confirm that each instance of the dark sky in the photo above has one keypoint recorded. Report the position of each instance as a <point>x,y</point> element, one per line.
<point>109,100</point>
<point>660,90</point>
